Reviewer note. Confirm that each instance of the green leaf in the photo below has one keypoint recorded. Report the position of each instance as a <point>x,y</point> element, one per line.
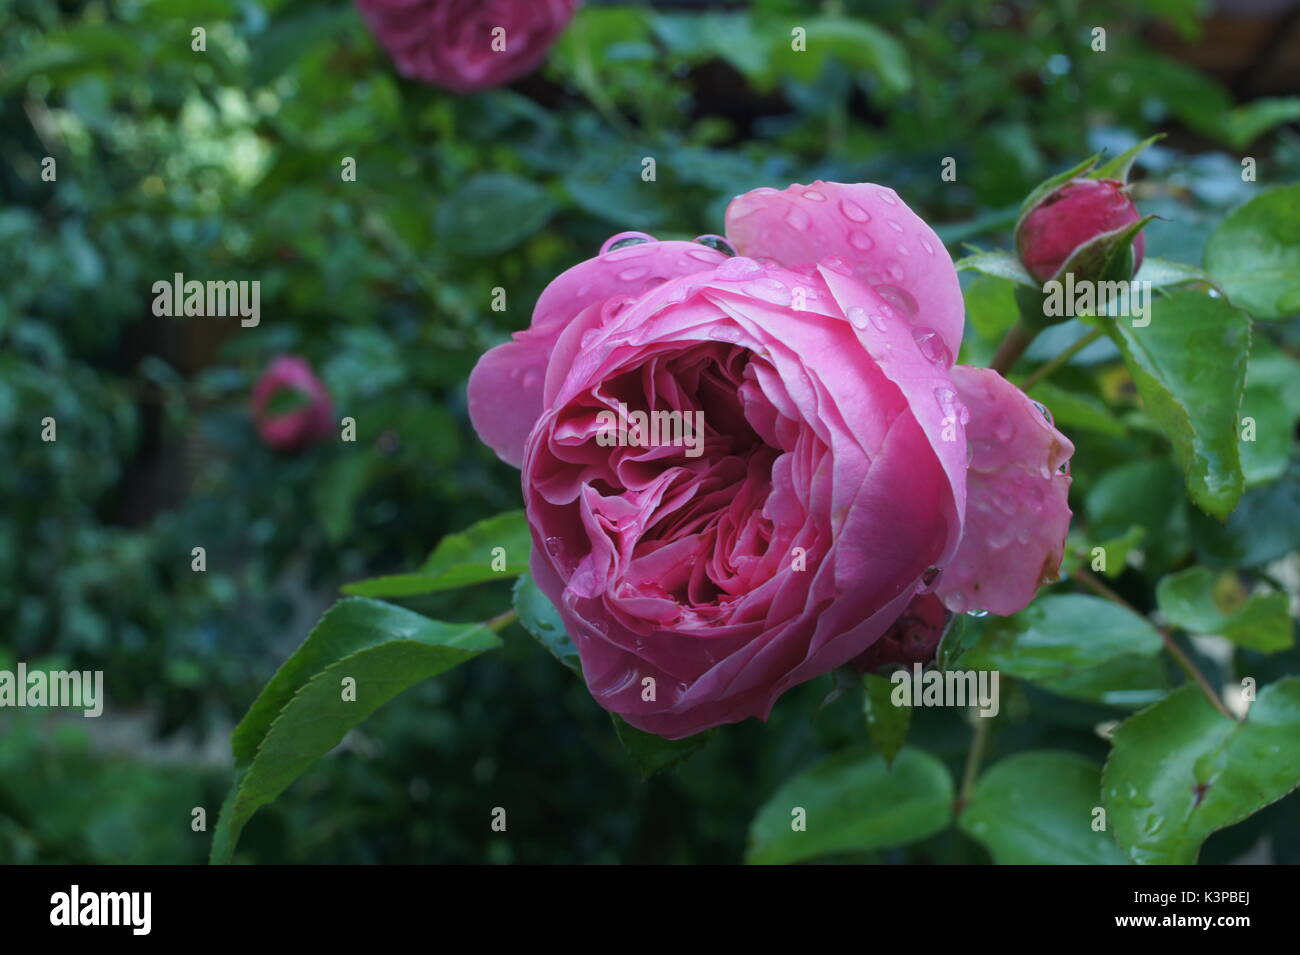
<point>886,723</point>
<point>1162,273</point>
<point>1189,364</point>
<point>1188,600</point>
<point>1180,770</point>
<point>1128,681</point>
<point>1036,808</point>
<point>1072,410</point>
<point>990,313</point>
<point>1119,167</point>
<point>853,802</point>
<point>853,42</point>
<point>1270,430</point>
<point>653,754</point>
<point>1242,125</point>
<point>1002,265</point>
<point>460,560</point>
<point>301,714</point>
<point>1255,254</point>
<point>491,213</point>
<point>1059,635</point>
<point>539,617</point>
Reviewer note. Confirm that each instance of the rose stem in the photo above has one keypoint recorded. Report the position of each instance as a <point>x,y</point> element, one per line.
<point>974,756</point>
<point>1045,370</point>
<point>1175,651</point>
<point>1013,346</point>
<point>501,621</point>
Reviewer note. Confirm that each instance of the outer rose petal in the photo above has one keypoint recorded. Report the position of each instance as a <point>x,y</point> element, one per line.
<point>1017,513</point>
<point>507,386</point>
<point>860,228</point>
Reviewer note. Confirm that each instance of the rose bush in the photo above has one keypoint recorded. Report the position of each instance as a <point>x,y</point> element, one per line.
<point>451,43</point>
<point>848,467</point>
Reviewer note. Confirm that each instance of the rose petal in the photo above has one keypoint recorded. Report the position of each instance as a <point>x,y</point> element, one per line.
<point>859,229</point>
<point>1017,513</point>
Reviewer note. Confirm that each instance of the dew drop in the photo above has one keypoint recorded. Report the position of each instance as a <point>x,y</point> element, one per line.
<point>895,226</point>
<point>739,269</point>
<point>798,218</point>
<point>857,316</point>
<point>854,212</point>
<point>900,299</point>
<point>634,273</point>
<point>977,613</point>
<point>814,195</point>
<point>860,240</point>
<point>725,333</point>
<point>624,240</point>
<point>1042,409</point>
<point>717,243</point>
<point>836,264</point>
<point>932,345</point>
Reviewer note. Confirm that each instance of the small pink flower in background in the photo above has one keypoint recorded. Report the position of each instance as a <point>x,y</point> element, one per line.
<point>467,45</point>
<point>1076,213</point>
<point>851,484</point>
<point>309,417</point>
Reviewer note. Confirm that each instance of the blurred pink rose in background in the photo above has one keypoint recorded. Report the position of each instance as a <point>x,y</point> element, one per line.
<point>1078,212</point>
<point>310,417</point>
<point>846,475</point>
<point>467,45</point>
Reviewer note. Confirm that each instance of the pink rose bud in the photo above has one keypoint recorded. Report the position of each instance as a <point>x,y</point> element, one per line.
<point>467,45</point>
<point>308,413</point>
<point>1077,213</point>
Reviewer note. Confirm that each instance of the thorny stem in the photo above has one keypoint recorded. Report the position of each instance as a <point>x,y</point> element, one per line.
<point>1185,664</point>
<point>1047,369</point>
<point>1013,346</point>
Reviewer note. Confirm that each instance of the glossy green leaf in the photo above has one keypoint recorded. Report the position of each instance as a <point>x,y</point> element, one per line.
<point>1057,636</point>
<point>1162,273</point>
<point>1189,364</point>
<point>1267,432</point>
<point>1180,770</point>
<point>539,617</point>
<point>460,560</point>
<point>886,723</point>
<point>302,713</point>
<point>1037,808</point>
<point>491,213</point>
<point>1262,622</point>
<point>1002,265</point>
<point>853,802</point>
<point>653,754</point>
<point>1255,254</point>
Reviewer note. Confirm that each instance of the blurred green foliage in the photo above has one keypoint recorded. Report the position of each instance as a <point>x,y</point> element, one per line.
<point>226,164</point>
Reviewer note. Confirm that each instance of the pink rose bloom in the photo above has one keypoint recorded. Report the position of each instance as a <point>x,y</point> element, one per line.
<point>844,474</point>
<point>467,45</point>
<point>311,419</point>
<point>1076,213</point>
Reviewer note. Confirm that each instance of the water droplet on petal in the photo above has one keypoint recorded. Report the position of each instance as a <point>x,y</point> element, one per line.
<point>857,316</point>
<point>634,273</point>
<point>889,197</point>
<point>853,211</point>
<point>925,244</point>
<point>1004,429</point>
<point>814,195</point>
<point>860,240</point>
<point>932,345</point>
<point>929,579</point>
<point>725,333</point>
<point>895,226</point>
<point>837,264</point>
<point>900,299</point>
<point>798,218</point>
<point>717,243</point>
<point>977,613</point>
<point>623,240</point>
<point>739,269</point>
<point>1042,409</point>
